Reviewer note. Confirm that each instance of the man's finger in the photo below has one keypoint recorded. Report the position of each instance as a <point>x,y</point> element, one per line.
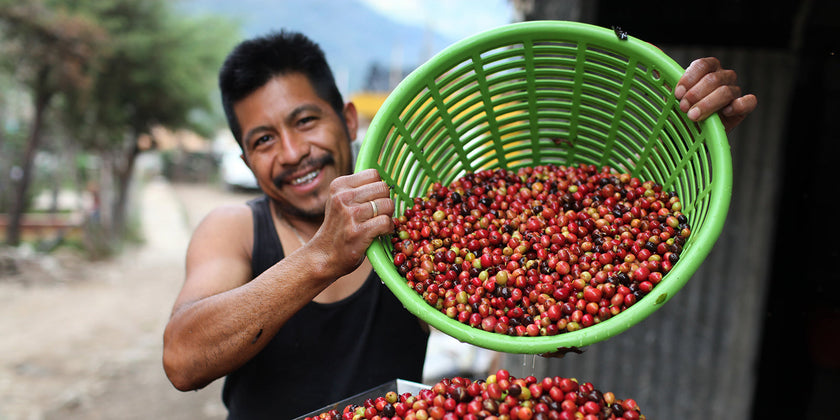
<point>717,99</point>
<point>695,72</point>
<point>378,207</point>
<point>360,178</point>
<point>741,106</point>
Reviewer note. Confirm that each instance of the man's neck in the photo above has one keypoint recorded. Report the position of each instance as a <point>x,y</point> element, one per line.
<point>304,224</point>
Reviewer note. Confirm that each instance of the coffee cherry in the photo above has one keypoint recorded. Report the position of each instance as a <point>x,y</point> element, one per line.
<point>503,242</point>
<point>549,398</point>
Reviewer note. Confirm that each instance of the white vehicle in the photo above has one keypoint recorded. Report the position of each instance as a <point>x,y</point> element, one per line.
<point>233,171</point>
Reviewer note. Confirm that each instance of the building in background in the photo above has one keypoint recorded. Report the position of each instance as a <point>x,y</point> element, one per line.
<point>755,333</point>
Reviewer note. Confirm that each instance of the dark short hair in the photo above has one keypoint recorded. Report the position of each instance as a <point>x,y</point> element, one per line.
<point>254,62</point>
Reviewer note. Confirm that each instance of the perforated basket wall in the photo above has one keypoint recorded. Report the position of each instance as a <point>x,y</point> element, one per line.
<point>548,92</point>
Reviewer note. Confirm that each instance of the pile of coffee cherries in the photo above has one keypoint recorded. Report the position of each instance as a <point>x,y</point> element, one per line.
<point>500,396</point>
<point>540,251</point>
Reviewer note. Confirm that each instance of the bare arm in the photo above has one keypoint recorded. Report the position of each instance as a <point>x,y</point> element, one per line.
<point>221,319</point>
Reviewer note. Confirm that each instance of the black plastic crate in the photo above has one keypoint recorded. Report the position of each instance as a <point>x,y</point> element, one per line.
<point>401,386</point>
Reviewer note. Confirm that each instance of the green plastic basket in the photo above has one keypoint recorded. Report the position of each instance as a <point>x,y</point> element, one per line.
<point>548,92</point>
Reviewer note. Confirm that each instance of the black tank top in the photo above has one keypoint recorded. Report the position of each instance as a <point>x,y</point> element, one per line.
<point>325,352</point>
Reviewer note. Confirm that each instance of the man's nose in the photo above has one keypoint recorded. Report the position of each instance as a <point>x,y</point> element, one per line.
<point>293,148</point>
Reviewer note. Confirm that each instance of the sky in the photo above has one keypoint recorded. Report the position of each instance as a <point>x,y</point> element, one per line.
<point>456,18</point>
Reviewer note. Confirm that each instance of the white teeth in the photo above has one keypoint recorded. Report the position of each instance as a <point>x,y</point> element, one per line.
<point>306,178</point>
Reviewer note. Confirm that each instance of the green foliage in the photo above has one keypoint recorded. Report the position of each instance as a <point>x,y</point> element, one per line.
<point>123,65</point>
<point>158,68</point>
<point>49,51</point>
<point>99,74</point>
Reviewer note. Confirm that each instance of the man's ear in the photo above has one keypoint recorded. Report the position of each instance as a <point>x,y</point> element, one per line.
<point>351,119</point>
<point>242,156</point>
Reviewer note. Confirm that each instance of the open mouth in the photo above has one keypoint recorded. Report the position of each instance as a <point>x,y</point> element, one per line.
<point>306,178</point>
<point>311,169</point>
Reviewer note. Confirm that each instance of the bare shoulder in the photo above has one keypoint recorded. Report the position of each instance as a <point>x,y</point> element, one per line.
<point>237,214</point>
<point>226,228</point>
<point>219,254</point>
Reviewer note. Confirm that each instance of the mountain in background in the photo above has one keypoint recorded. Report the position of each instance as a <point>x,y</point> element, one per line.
<point>354,37</point>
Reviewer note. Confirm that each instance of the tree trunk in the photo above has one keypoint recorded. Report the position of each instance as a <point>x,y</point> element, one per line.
<point>4,177</point>
<point>42,99</point>
<point>106,192</point>
<point>123,172</point>
<point>115,188</point>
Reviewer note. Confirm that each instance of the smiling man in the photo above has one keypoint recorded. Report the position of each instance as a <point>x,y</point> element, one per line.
<point>278,296</point>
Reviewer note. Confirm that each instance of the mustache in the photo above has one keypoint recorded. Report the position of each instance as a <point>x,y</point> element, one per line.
<point>283,177</point>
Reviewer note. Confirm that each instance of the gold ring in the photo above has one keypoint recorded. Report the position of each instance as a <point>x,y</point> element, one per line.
<point>375,210</point>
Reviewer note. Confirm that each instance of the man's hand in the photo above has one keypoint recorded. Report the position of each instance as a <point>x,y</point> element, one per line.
<point>359,210</point>
<point>706,88</point>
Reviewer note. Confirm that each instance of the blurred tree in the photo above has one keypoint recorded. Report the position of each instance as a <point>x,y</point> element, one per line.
<point>144,66</point>
<point>158,69</point>
<point>49,52</point>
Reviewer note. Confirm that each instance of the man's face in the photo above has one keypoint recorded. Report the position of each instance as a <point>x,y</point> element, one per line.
<point>295,143</point>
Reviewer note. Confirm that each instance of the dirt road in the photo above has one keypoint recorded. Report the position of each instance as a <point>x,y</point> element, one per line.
<point>83,340</point>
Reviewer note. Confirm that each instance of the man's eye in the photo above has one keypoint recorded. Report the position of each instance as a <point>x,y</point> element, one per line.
<point>262,139</point>
<point>306,120</point>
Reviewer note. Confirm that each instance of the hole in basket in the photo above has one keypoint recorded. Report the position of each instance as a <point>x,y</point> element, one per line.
<point>655,74</point>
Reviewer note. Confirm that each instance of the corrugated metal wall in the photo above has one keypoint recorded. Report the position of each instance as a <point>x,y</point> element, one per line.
<point>696,357</point>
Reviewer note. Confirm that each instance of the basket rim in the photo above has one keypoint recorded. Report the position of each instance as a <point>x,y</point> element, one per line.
<point>695,252</point>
